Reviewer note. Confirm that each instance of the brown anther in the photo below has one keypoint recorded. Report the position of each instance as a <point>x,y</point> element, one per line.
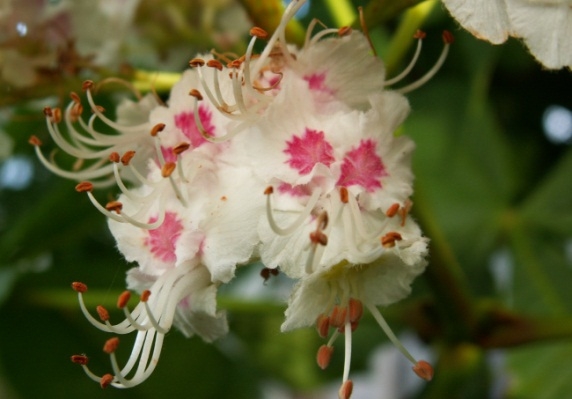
<point>114,157</point>
<point>196,62</point>
<point>258,32</point>
<point>265,274</point>
<point>346,389</point>
<point>269,190</point>
<point>103,313</point>
<point>157,128</point>
<point>338,316</point>
<point>215,64</point>
<point>344,195</point>
<point>234,63</point>
<point>48,112</point>
<point>114,206</point>
<point>84,186</point>
<point>79,287</point>
<point>106,380</point>
<point>127,157</point>
<point>323,325</point>
<point>87,85</point>
<point>392,210</point>
<point>111,345</point>
<point>324,356</point>
<point>75,98</point>
<point>344,31</point>
<point>356,309</point>
<point>388,240</point>
<point>145,296</point>
<point>79,359</point>
<point>423,370</point>
<point>35,141</point>
<point>317,237</point>
<point>56,115</point>
<point>404,211</point>
<point>76,111</point>
<point>323,220</point>
<point>100,109</point>
<point>168,169</point>
<point>419,34</point>
<point>448,37</point>
<point>180,148</point>
<point>196,94</point>
<point>123,299</point>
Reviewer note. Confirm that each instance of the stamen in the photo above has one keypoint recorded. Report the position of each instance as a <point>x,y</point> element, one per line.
<point>80,359</point>
<point>388,240</point>
<point>365,30</point>
<point>423,370</point>
<point>419,35</point>
<point>338,316</point>
<point>392,210</point>
<point>346,389</point>
<point>355,310</point>
<point>301,218</point>
<point>324,356</point>
<point>323,325</point>
<point>111,345</point>
<point>106,380</point>
<point>348,352</point>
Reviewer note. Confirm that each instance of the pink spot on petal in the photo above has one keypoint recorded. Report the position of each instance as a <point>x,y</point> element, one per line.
<point>163,239</point>
<point>306,151</point>
<point>301,190</point>
<point>362,166</point>
<point>185,121</point>
<point>317,82</point>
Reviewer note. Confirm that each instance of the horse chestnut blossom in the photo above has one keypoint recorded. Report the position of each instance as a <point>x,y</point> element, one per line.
<point>545,26</point>
<point>290,157</point>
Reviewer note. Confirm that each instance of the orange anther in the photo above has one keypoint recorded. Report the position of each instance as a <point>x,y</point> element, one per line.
<point>157,128</point>
<point>145,296</point>
<point>346,389</point>
<point>196,94</point>
<point>356,309</point>
<point>196,62</point>
<point>127,157</point>
<point>344,31</point>
<point>114,206</point>
<point>87,85</point>
<point>419,34</point>
<point>168,169</point>
<point>317,237</point>
<point>258,32</point>
<point>123,299</point>
<point>448,37</point>
<point>56,115</point>
<point>338,316</point>
<point>83,187</point>
<point>180,148</point>
<point>344,195</point>
<point>269,190</point>
<point>323,325</point>
<point>215,64</point>
<point>48,111</point>
<point>102,312</point>
<point>79,287</point>
<point>392,210</point>
<point>79,359</point>
<point>75,98</point>
<point>324,356</point>
<point>35,141</point>
<point>106,380</point>
<point>111,345</point>
<point>114,157</point>
<point>423,370</point>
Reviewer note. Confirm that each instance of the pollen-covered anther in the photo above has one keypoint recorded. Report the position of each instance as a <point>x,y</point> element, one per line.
<point>75,98</point>
<point>123,299</point>
<point>79,359</point>
<point>196,94</point>
<point>145,296</point>
<point>317,237</point>
<point>106,380</point>
<point>419,34</point>
<point>99,109</point>
<point>159,127</point>
<point>76,111</point>
<point>388,240</point>
<point>48,112</point>
<point>215,64</point>
<point>423,370</point>
<point>355,307</point>
<point>324,356</point>
<point>344,31</point>
<point>102,313</point>
<point>114,157</point>
<point>111,345</point>
<point>338,316</point>
<point>196,62</point>
<point>269,190</point>
<point>35,141</point>
<point>127,157</point>
<point>180,148</point>
<point>79,287</point>
<point>344,195</point>
<point>56,116</point>
<point>346,389</point>
<point>448,37</point>
<point>84,186</point>
<point>392,210</point>
<point>87,85</point>
<point>323,325</point>
<point>114,206</point>
<point>168,169</point>
<point>258,32</point>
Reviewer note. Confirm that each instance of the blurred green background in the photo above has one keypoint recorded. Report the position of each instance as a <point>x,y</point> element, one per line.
<point>493,172</point>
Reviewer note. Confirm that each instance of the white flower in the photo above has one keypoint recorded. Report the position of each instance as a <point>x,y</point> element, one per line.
<point>545,26</point>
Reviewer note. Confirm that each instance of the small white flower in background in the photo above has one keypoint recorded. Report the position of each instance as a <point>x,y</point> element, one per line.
<point>545,26</point>
<point>313,129</point>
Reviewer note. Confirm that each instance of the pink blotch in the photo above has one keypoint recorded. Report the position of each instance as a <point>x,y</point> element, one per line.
<point>168,154</point>
<point>308,150</point>
<point>185,121</point>
<point>362,166</point>
<point>163,239</point>
<point>301,190</point>
<point>317,82</point>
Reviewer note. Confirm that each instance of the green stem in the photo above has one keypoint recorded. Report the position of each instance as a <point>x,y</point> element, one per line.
<point>343,12</point>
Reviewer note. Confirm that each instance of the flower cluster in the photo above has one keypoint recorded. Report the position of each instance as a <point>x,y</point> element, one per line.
<point>288,156</point>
